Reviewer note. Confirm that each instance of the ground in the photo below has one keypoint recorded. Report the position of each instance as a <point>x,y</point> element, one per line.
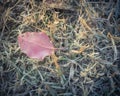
<point>87,35</point>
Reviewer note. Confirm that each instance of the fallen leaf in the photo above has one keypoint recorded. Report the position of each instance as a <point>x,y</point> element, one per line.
<point>36,45</point>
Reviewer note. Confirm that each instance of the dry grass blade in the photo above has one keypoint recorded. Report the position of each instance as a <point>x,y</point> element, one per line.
<point>114,46</point>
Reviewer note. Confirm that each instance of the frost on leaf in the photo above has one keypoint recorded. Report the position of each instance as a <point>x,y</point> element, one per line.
<point>35,45</point>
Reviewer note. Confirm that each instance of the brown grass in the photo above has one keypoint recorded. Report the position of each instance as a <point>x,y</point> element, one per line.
<point>89,33</point>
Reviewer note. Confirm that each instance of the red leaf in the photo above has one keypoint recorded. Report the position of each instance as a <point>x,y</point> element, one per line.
<point>35,45</point>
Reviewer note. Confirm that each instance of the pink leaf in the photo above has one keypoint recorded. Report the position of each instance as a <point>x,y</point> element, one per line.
<point>35,45</point>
